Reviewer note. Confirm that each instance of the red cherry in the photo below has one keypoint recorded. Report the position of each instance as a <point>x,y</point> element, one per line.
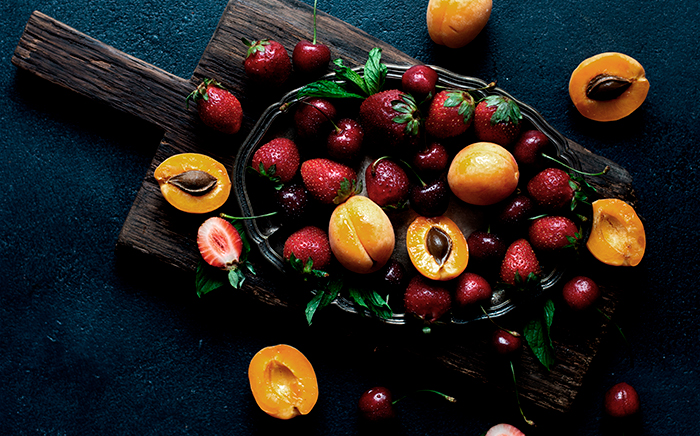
<point>434,159</point>
<point>505,343</point>
<point>314,117</point>
<point>528,149</point>
<point>580,292</point>
<point>419,81</point>
<point>311,58</point>
<point>375,404</point>
<point>345,142</point>
<point>621,401</point>
<point>471,289</point>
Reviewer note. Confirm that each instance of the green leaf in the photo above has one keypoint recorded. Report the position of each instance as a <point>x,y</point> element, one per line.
<point>326,89</point>
<point>324,296</point>
<point>375,71</point>
<point>548,319</point>
<point>371,301</point>
<point>349,75</point>
<point>537,334</point>
<point>236,278</point>
<point>208,279</point>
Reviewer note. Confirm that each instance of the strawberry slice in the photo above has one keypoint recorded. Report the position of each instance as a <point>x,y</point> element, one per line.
<point>219,243</point>
<point>504,430</point>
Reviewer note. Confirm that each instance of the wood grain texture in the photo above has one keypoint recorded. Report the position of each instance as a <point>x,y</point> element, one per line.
<point>155,229</point>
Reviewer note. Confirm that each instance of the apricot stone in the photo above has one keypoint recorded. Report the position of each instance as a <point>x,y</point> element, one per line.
<point>455,23</point>
<point>608,86</point>
<point>437,247</point>
<point>617,233</point>
<point>483,173</point>
<point>361,235</point>
<point>193,182</point>
<point>283,381</point>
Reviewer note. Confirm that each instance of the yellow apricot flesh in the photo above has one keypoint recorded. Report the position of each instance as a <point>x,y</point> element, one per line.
<point>617,233</point>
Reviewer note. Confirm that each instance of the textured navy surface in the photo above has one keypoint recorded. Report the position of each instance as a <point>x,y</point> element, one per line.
<point>90,344</point>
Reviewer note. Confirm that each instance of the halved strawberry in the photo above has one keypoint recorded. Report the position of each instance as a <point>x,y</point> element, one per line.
<point>504,430</point>
<point>219,243</point>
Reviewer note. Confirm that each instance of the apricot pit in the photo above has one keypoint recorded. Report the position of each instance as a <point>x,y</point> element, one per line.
<point>437,247</point>
<point>283,381</point>
<point>617,233</point>
<point>193,182</point>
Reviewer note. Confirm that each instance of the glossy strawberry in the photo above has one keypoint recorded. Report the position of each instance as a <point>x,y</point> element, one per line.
<point>391,118</point>
<point>219,243</point>
<point>504,430</point>
<point>552,189</point>
<point>387,183</point>
<point>552,233</point>
<point>267,62</point>
<point>520,263</point>
<point>217,107</point>
<point>450,114</point>
<point>580,292</point>
<point>277,160</point>
<point>314,117</point>
<point>328,181</point>
<point>310,246</point>
<point>419,81</point>
<point>311,58</point>
<point>621,401</point>
<point>497,119</point>
<point>426,299</point>
<point>344,143</point>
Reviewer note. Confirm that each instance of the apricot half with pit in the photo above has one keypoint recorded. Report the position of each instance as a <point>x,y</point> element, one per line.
<point>193,182</point>
<point>361,235</point>
<point>283,381</point>
<point>617,233</point>
<point>608,86</point>
<point>483,173</point>
<point>437,247</point>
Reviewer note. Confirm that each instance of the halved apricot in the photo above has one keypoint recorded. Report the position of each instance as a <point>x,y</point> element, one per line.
<point>283,381</point>
<point>437,247</point>
<point>608,86</point>
<point>193,182</point>
<point>617,233</point>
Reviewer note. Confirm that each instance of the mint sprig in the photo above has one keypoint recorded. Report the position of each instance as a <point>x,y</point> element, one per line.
<point>537,333</point>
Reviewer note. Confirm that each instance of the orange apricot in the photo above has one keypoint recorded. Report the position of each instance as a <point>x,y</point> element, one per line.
<point>361,235</point>
<point>455,23</point>
<point>617,233</point>
<point>193,182</point>
<point>608,86</point>
<point>283,381</point>
<point>437,247</point>
<point>483,173</point>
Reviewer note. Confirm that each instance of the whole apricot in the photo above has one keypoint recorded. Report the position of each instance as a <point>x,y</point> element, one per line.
<point>437,247</point>
<point>483,173</point>
<point>455,23</point>
<point>361,235</point>
<point>608,86</point>
<point>617,233</point>
<point>283,381</point>
<point>193,182</point>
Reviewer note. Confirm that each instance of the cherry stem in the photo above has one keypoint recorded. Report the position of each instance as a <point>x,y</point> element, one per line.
<point>413,171</point>
<point>619,329</point>
<point>447,397</point>
<point>605,170</point>
<point>229,217</point>
<point>514,333</point>
<point>517,396</point>
<point>314,40</point>
<point>335,126</point>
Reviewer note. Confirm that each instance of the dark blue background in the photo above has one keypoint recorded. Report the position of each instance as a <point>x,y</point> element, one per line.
<point>89,345</point>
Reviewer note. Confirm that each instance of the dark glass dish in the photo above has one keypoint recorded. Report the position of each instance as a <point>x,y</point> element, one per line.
<point>269,234</point>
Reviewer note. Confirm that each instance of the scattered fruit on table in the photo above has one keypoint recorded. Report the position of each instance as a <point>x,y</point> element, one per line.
<point>310,248</point>
<point>608,86</point>
<point>427,299</point>
<point>420,81</point>
<point>437,247</point>
<point>504,430</point>
<point>344,142</point>
<point>617,233</point>
<point>376,404</point>
<point>553,233</point>
<point>621,401</point>
<point>329,181</point>
<point>277,160</point>
<point>217,107</point>
<point>497,119</point>
<point>450,114</point>
<point>387,183</point>
<point>193,182</point>
<point>311,58</point>
<point>483,173</point>
<point>455,23</point>
<point>580,292</point>
<point>506,343</point>
<point>472,289</point>
<point>391,119</point>
<point>283,381</point>
<point>219,243</point>
<point>361,235</point>
<point>267,62</point>
<point>314,118</point>
<point>520,263</point>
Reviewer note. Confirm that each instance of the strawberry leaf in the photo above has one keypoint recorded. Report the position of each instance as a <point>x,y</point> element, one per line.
<point>347,190</point>
<point>507,110</point>
<point>538,335</point>
<point>305,268</point>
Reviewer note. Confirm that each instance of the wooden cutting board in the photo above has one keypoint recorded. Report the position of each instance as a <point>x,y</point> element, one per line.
<point>153,228</point>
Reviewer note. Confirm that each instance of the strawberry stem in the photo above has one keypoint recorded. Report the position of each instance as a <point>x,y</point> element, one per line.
<point>517,396</point>
<point>605,170</point>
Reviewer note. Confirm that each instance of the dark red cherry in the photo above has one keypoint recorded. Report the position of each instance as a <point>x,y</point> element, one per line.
<point>432,160</point>
<point>419,81</point>
<point>376,405</point>
<point>621,401</point>
<point>313,117</point>
<point>345,141</point>
<point>505,343</point>
<point>310,58</point>
<point>431,198</point>
<point>580,293</point>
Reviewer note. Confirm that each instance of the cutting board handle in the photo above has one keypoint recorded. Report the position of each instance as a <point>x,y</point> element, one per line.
<point>64,56</point>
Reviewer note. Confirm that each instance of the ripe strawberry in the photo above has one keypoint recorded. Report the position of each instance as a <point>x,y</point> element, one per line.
<point>551,189</point>
<point>390,118</point>
<point>328,181</point>
<point>427,299</point>
<point>504,430</point>
<point>450,114</point>
<point>497,119</point>
<point>310,248</point>
<point>267,62</point>
<point>217,107</point>
<point>519,263</point>
<point>387,183</point>
<point>219,243</point>
<point>551,233</point>
<point>277,160</point>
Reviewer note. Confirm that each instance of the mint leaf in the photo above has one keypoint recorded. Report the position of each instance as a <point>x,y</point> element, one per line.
<point>375,71</point>
<point>349,75</point>
<point>371,301</point>
<point>326,89</point>
<point>207,279</point>
<point>537,334</point>
<point>323,298</point>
